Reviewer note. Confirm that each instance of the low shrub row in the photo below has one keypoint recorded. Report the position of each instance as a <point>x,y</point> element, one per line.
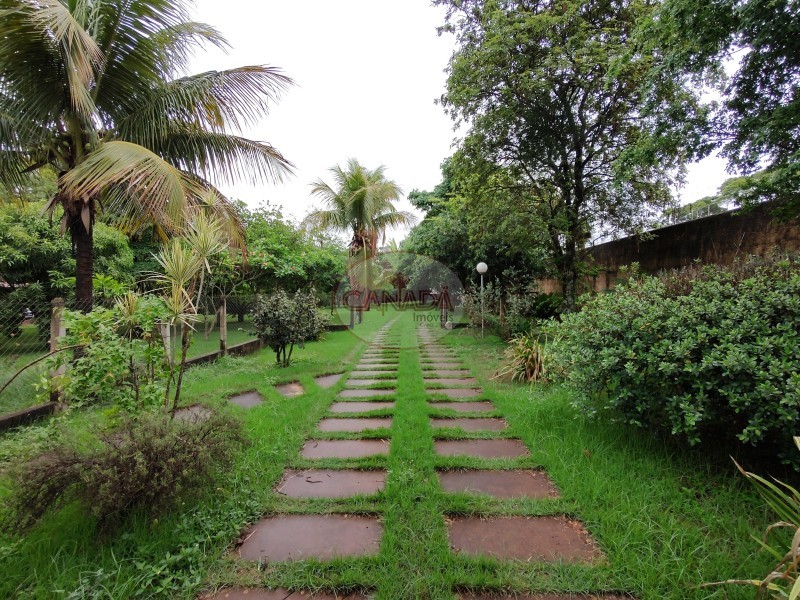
<point>707,353</point>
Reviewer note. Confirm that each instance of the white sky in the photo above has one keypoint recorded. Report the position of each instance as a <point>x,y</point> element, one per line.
<point>367,75</point>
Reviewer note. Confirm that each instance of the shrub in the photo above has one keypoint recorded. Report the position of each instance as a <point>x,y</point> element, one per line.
<point>121,358</point>
<point>149,464</point>
<point>282,321</point>
<point>708,351</point>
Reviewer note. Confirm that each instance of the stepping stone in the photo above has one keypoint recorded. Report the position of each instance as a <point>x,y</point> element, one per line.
<point>543,597</point>
<point>359,407</point>
<point>247,399</point>
<point>376,367</point>
<point>297,537</point>
<point>359,374</point>
<point>193,414</point>
<point>456,392</point>
<point>365,393</point>
<point>481,448</point>
<point>453,381</point>
<point>464,406</point>
<point>330,483</point>
<point>343,448</point>
<point>500,484</point>
<point>279,594</point>
<point>523,538</point>
<point>327,381</point>
<point>471,424</point>
<point>291,389</point>
<point>354,425</point>
<point>437,365</point>
<point>446,373</point>
<point>365,382</point>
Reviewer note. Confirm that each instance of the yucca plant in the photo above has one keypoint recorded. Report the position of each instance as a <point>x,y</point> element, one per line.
<point>784,500</point>
<point>526,359</point>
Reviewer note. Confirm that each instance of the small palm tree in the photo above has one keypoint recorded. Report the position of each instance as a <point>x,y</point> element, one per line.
<point>94,88</point>
<point>359,202</point>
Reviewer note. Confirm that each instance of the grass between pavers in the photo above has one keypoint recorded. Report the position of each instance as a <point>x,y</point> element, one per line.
<point>665,520</point>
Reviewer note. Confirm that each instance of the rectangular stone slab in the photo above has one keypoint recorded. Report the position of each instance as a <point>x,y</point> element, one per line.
<point>481,448</point>
<point>330,483</point>
<point>365,393</point>
<point>437,365</point>
<point>366,382</point>
<point>291,389</point>
<point>433,374</point>
<point>528,483</point>
<point>543,597</point>
<point>354,425</point>
<point>455,392</point>
<point>298,537</point>
<point>489,424</point>
<point>327,381</point>
<point>343,448</point>
<point>375,367</point>
<point>457,381</point>
<point>464,406</point>
<point>278,594</point>
<point>247,399</point>
<point>371,374</point>
<point>523,538</point>
<point>359,407</point>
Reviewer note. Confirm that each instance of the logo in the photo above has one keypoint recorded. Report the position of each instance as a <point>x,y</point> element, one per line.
<point>392,283</point>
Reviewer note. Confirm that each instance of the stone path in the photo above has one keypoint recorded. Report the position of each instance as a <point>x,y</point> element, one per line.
<point>461,430</point>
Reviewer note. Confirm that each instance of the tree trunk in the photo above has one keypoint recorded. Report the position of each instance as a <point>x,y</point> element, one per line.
<point>83,246</point>
<point>569,275</point>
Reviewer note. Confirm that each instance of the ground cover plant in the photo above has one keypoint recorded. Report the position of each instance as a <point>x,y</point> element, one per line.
<point>706,353</point>
<point>666,519</point>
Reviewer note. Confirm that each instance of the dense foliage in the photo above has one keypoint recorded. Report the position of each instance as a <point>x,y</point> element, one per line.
<point>151,463</point>
<point>709,353</point>
<point>283,321</point>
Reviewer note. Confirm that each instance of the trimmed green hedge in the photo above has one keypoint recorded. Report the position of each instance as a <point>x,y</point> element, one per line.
<point>707,352</point>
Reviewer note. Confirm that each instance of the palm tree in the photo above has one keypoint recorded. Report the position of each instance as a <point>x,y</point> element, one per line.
<point>359,202</point>
<point>94,88</point>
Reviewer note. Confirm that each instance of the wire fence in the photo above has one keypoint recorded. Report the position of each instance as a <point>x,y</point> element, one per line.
<point>24,338</point>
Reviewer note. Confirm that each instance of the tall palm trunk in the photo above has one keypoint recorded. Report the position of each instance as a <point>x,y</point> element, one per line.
<point>78,218</point>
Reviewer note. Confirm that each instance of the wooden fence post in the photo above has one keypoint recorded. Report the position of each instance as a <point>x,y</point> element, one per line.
<point>166,335</point>
<point>223,326</point>
<point>57,331</point>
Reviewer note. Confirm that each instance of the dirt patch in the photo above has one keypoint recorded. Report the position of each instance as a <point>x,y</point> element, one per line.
<point>298,537</point>
<point>279,594</point>
<point>193,414</point>
<point>500,484</point>
<point>523,538</point>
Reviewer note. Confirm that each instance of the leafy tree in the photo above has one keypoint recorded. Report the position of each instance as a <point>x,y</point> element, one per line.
<point>550,99</point>
<point>757,121</point>
<point>95,90</point>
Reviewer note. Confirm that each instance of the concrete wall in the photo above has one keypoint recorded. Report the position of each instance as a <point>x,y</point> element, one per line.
<point>718,239</point>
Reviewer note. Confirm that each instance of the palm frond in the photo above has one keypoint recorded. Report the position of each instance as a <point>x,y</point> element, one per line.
<point>216,101</point>
<point>224,157</point>
<point>136,182</point>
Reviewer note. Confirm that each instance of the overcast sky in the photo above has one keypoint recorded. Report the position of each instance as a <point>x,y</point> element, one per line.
<point>367,75</point>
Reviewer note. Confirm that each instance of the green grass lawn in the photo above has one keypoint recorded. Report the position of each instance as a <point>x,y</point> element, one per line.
<point>666,520</point>
<point>15,353</point>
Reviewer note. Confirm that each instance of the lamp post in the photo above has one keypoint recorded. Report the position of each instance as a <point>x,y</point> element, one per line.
<point>481,268</point>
